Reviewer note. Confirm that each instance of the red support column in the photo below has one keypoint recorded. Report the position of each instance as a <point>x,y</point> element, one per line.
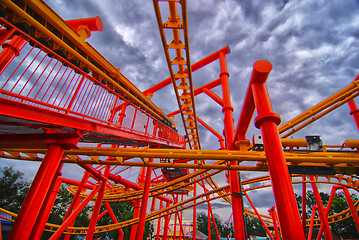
<point>321,210</point>
<point>352,207</point>
<point>238,222</point>
<point>10,51</point>
<point>267,121</point>
<point>144,201</point>
<point>259,216</point>
<point>304,203</point>
<point>45,211</point>
<point>327,209</point>
<point>76,200</point>
<point>37,193</point>
<point>167,222</point>
<point>136,213</point>
<point>159,222</point>
<point>76,212</point>
<point>310,233</point>
<point>209,221</point>
<point>273,214</point>
<point>113,219</point>
<point>97,207</point>
<point>354,111</point>
<point>194,217</point>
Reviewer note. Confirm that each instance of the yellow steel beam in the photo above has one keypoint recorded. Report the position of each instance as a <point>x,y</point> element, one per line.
<point>338,98</point>
<point>113,74</point>
<point>185,98</point>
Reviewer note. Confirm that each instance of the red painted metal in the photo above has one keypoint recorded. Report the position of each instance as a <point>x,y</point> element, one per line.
<point>76,211</point>
<point>354,111</point>
<point>259,216</point>
<point>267,121</point>
<point>327,209</point>
<point>10,51</point>
<point>201,63</point>
<point>97,207</point>
<point>37,193</point>
<point>194,216</point>
<point>310,233</point>
<point>45,211</point>
<point>351,207</point>
<point>144,201</point>
<point>93,24</point>
<point>304,203</point>
<point>136,214</point>
<point>273,214</point>
<point>321,210</point>
<point>167,222</point>
<point>238,221</point>
<point>159,222</point>
<point>220,138</point>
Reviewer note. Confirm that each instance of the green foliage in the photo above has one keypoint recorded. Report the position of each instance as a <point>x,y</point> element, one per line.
<point>345,228</point>
<point>123,211</point>
<point>254,226</point>
<point>13,189</point>
<point>202,224</point>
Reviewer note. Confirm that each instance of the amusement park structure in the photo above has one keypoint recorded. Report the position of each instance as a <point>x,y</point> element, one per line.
<point>62,102</point>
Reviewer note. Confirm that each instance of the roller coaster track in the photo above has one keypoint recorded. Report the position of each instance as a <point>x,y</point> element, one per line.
<point>342,180</point>
<point>56,89</point>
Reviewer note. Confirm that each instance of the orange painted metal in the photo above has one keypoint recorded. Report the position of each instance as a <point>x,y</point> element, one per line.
<point>273,214</point>
<point>267,121</point>
<point>144,201</point>
<point>238,221</point>
<point>32,204</point>
<point>321,210</point>
<point>354,111</point>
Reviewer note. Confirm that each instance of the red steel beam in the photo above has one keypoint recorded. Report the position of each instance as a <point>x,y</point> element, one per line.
<point>267,121</point>
<point>201,63</point>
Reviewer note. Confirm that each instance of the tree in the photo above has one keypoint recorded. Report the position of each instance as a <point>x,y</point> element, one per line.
<point>13,189</point>
<point>254,226</point>
<point>123,211</point>
<point>224,229</point>
<point>345,228</point>
<point>59,210</point>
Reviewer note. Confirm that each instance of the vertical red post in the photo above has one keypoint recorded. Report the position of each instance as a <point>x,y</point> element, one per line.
<point>238,222</point>
<point>159,222</point>
<point>273,214</point>
<point>136,213</point>
<point>175,222</point>
<point>321,210</point>
<point>352,207</point>
<point>209,221</point>
<point>74,214</point>
<point>144,201</point>
<point>167,222</point>
<point>259,216</point>
<point>113,219</point>
<point>45,211</point>
<point>304,203</point>
<point>97,207</point>
<point>310,233</point>
<point>327,209</point>
<point>75,201</point>
<point>37,193</point>
<point>267,121</point>
<point>10,51</point>
<point>354,111</point>
<point>194,231</point>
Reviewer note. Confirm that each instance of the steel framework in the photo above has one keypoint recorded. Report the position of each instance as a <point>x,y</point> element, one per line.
<point>59,98</point>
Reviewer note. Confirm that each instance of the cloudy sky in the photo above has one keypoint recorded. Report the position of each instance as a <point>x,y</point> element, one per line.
<point>312,45</point>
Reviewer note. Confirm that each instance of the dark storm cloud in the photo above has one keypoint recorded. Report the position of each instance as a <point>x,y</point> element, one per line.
<point>313,46</point>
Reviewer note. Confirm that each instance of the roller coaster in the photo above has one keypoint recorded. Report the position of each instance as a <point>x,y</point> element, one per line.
<point>63,103</point>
